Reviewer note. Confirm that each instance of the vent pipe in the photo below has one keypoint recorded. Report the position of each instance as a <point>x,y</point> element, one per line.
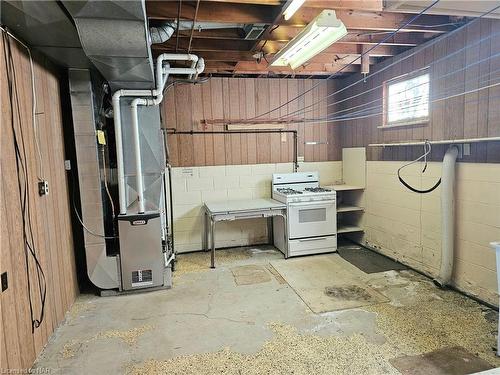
<point>447,216</point>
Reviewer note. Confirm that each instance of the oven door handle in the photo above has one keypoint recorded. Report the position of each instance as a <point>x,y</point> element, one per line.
<point>313,203</point>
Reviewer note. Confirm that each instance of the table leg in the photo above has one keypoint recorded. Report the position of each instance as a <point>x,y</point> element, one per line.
<point>206,243</point>
<point>212,235</point>
<point>270,232</point>
<point>285,231</point>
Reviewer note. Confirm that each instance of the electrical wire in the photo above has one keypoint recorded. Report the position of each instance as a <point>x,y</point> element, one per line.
<point>341,118</point>
<point>77,214</point>
<point>40,174</point>
<point>358,58</point>
<point>106,187</point>
<point>427,151</point>
<point>364,79</point>
<point>419,100</point>
<point>23,182</point>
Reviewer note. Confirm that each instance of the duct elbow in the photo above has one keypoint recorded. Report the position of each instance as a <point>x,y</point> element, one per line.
<point>162,33</point>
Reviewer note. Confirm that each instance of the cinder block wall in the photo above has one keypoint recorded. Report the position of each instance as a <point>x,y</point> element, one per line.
<point>407,225</point>
<point>194,185</point>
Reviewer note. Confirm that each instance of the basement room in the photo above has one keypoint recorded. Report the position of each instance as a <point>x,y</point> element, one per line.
<point>249,187</point>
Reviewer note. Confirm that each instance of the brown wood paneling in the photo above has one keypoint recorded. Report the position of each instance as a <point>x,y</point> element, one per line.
<point>245,98</point>
<point>456,65</point>
<point>50,215</point>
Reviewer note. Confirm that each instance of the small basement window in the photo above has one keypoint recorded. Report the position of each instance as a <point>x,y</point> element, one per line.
<point>406,100</point>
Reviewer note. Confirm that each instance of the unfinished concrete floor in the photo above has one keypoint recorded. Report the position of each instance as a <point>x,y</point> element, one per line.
<point>244,318</point>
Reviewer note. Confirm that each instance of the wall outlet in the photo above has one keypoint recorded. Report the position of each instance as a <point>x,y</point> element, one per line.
<point>300,159</point>
<point>43,188</point>
<point>466,149</point>
<point>5,282</point>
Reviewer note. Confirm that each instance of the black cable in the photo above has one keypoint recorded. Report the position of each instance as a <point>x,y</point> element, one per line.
<point>427,151</point>
<point>23,182</point>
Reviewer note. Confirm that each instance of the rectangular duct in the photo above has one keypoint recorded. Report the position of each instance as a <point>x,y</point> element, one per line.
<point>102,270</point>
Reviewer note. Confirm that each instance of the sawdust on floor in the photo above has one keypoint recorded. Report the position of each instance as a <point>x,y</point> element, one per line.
<point>129,336</point>
<point>80,307</point>
<point>200,261</point>
<point>288,352</point>
<point>435,319</point>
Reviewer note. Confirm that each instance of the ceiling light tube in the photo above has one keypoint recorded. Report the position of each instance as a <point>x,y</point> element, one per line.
<point>320,34</point>
<point>292,7</point>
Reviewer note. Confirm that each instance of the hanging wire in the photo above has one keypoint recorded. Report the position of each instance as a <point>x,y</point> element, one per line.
<point>40,173</point>
<point>430,43</point>
<point>362,80</point>
<point>358,58</point>
<point>427,151</point>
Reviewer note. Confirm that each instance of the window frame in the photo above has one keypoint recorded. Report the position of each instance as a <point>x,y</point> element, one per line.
<point>406,122</point>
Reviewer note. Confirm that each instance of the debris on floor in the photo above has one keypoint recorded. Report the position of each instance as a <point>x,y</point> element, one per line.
<point>412,319</point>
<point>435,318</point>
<point>447,361</point>
<point>200,261</point>
<point>129,336</point>
<point>288,352</point>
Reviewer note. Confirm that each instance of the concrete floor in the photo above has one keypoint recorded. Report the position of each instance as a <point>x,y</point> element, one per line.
<point>229,321</point>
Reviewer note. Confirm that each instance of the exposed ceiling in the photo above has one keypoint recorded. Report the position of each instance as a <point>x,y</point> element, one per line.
<point>227,52</point>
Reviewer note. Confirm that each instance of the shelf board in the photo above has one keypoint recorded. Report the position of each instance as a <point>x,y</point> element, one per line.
<point>349,208</point>
<point>348,229</point>
<point>344,187</point>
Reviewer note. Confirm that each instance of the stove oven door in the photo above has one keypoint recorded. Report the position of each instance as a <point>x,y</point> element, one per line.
<point>312,219</point>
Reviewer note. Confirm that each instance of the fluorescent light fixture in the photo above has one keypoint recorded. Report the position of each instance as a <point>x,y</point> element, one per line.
<point>292,7</point>
<point>321,33</point>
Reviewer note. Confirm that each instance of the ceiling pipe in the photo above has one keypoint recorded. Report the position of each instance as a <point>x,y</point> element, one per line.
<point>447,216</point>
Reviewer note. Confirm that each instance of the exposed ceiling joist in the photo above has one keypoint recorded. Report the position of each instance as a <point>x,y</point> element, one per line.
<point>212,11</point>
<point>311,68</point>
<point>377,21</point>
<point>273,47</point>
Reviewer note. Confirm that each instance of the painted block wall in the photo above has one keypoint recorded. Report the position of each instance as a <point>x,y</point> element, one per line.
<point>407,226</point>
<point>191,186</point>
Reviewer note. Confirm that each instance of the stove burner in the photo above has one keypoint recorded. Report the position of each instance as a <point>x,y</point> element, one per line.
<point>288,191</point>
<point>317,190</point>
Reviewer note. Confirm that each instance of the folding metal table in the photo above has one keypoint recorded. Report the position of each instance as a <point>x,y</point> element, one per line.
<point>236,210</point>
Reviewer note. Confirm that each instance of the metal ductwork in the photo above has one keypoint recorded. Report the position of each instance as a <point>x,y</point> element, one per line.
<point>115,37</point>
<point>102,270</point>
<point>45,26</point>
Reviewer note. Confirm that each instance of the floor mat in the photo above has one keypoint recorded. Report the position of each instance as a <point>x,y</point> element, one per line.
<point>368,261</point>
<point>453,361</point>
<point>251,274</point>
<point>328,283</point>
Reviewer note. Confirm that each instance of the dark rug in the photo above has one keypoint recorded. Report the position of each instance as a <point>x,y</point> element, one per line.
<point>366,260</point>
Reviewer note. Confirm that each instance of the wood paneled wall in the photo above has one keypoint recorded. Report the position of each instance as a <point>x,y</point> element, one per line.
<point>468,116</point>
<point>244,98</point>
<point>50,215</point>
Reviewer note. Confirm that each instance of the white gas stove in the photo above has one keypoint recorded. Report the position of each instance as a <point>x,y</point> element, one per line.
<point>311,214</point>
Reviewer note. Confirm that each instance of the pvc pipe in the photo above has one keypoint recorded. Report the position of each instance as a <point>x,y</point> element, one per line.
<point>442,142</point>
<point>117,118</point>
<point>137,141</point>
<point>447,216</point>
<point>137,150</point>
<point>119,151</point>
